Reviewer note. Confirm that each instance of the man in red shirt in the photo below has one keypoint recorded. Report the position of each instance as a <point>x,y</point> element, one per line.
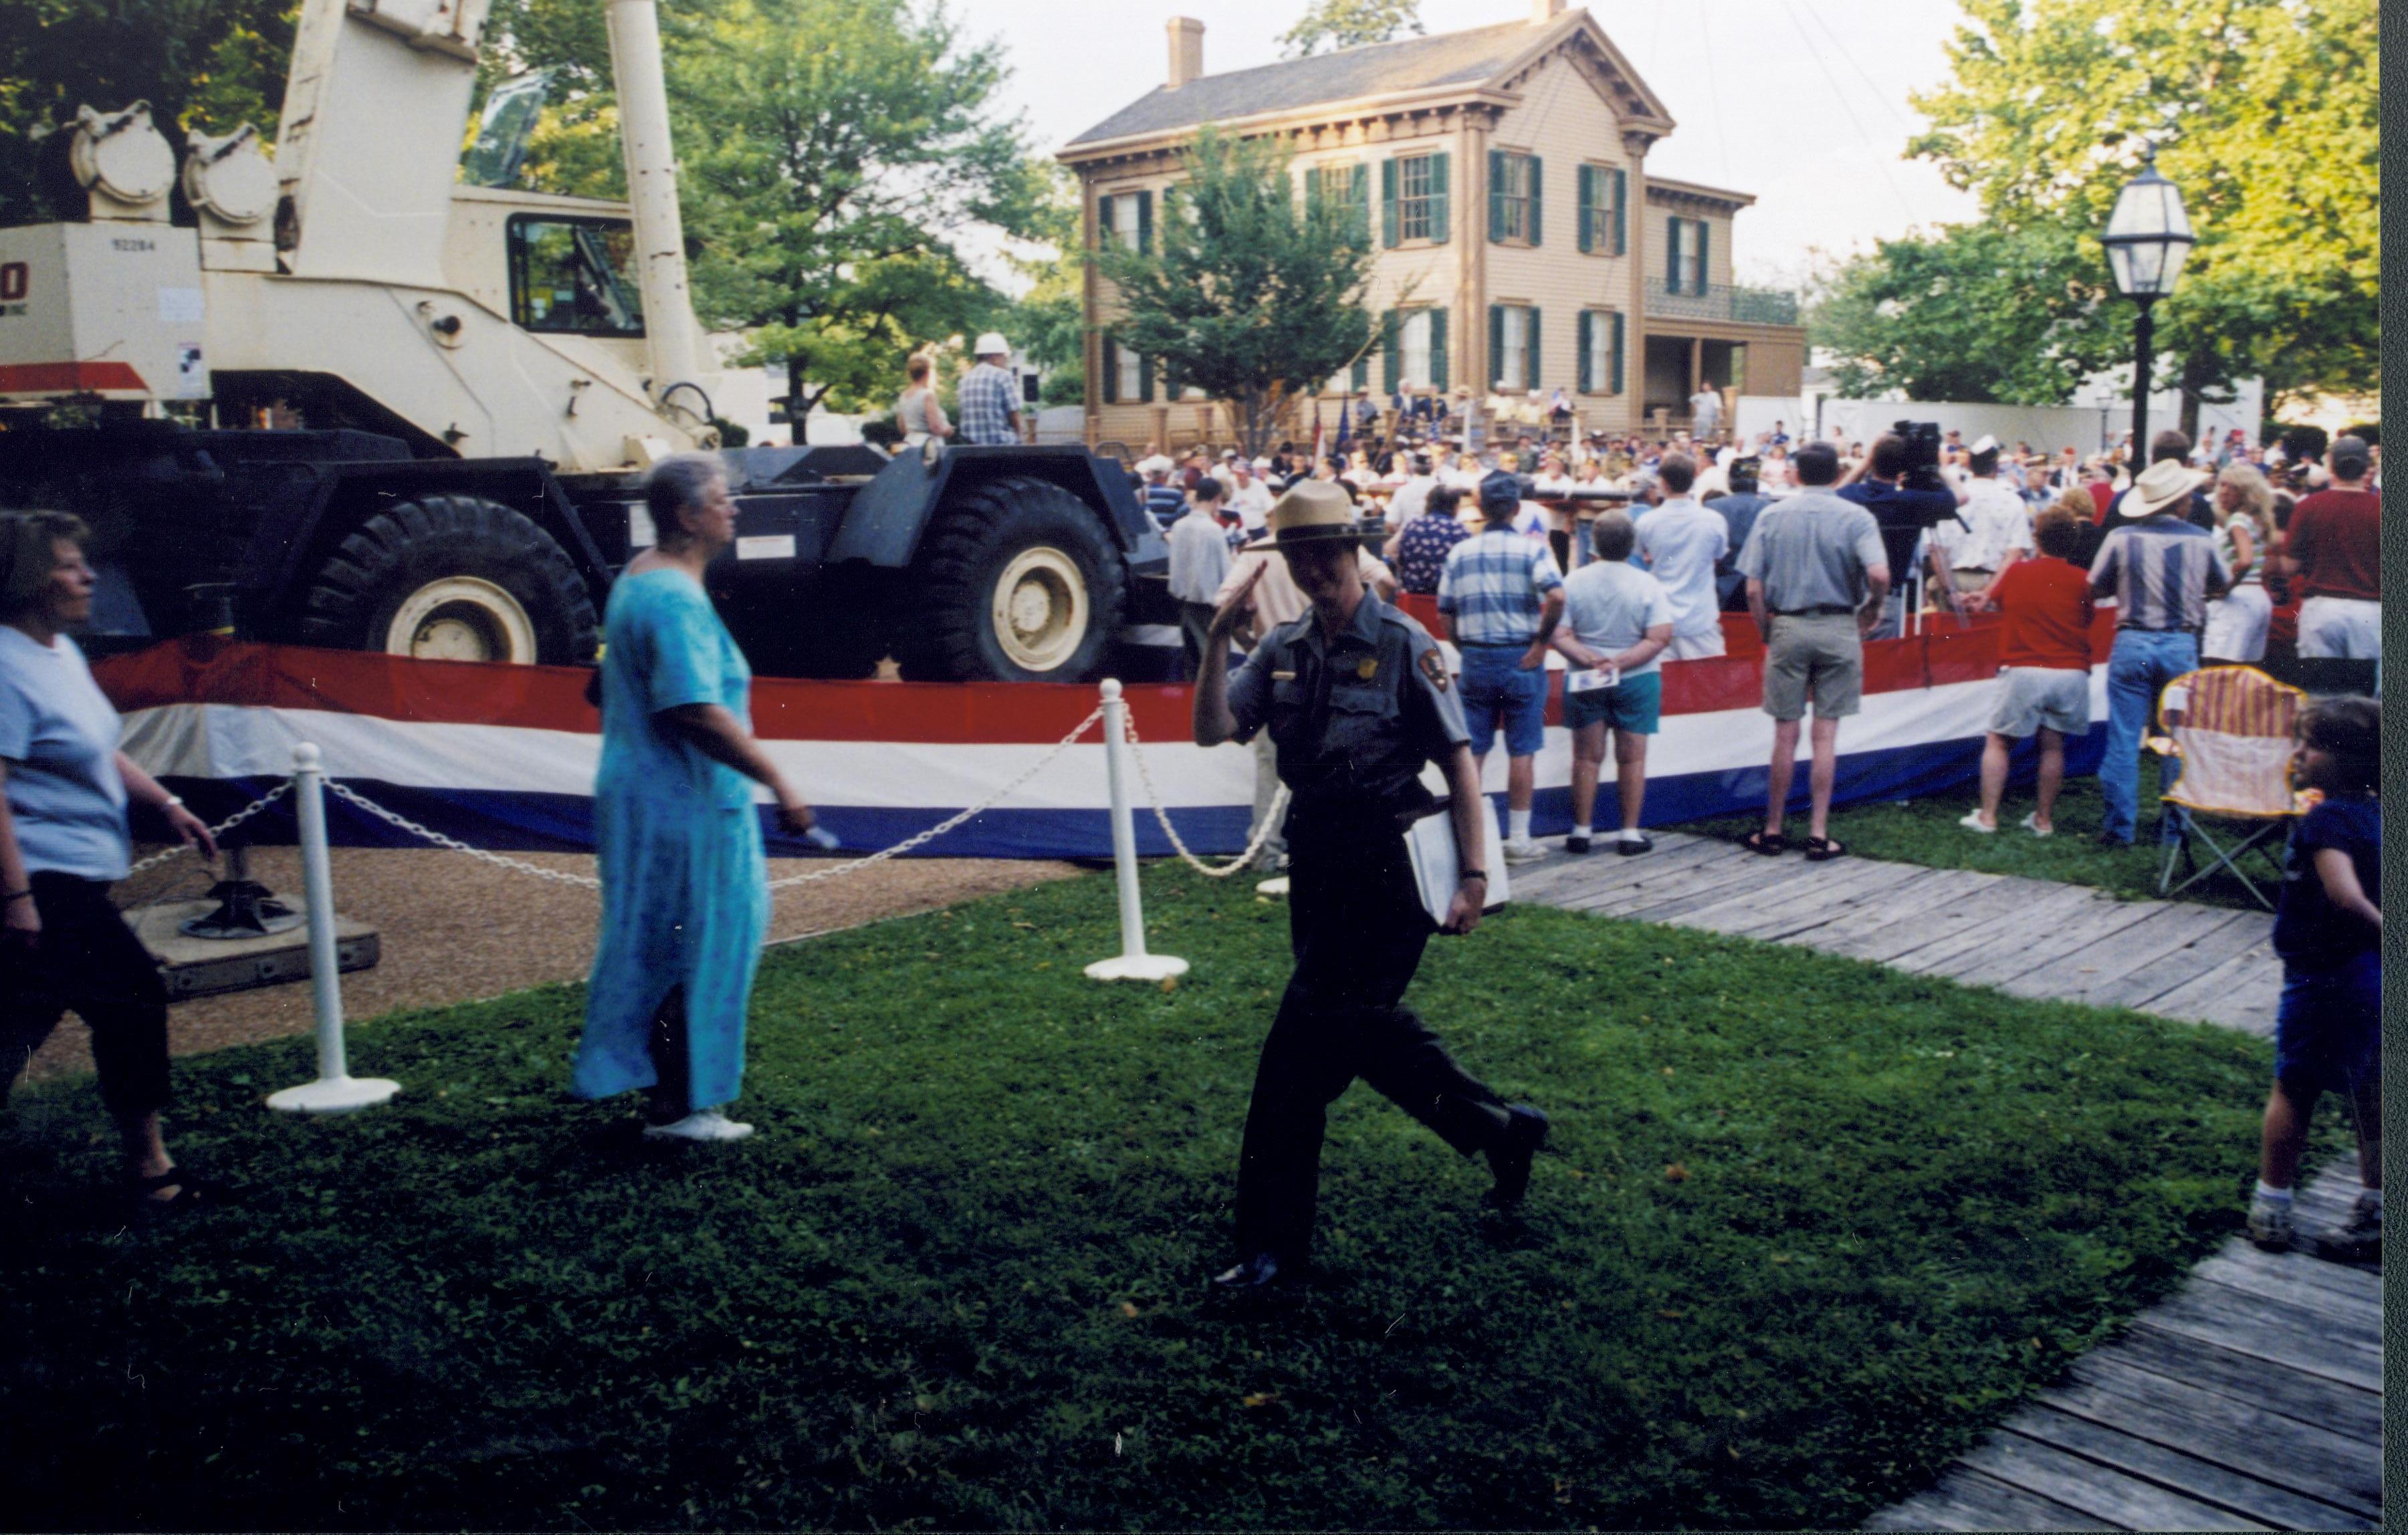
<point>2334,555</point>
<point>2044,660</point>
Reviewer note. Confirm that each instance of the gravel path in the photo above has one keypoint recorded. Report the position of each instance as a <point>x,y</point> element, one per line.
<point>455,930</point>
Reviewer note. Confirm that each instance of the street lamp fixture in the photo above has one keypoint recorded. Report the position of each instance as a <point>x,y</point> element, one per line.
<point>2147,236</point>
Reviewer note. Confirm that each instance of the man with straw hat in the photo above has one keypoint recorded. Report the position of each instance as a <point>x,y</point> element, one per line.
<point>1357,699</point>
<point>2160,568</point>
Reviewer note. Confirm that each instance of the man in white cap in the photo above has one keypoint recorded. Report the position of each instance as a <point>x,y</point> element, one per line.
<point>1357,699</point>
<point>990,397</point>
<point>2160,568</point>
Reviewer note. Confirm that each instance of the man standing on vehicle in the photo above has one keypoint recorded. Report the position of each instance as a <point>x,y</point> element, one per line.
<point>1357,699</point>
<point>990,397</point>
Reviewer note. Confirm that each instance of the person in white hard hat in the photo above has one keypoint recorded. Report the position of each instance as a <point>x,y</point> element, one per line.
<point>990,397</point>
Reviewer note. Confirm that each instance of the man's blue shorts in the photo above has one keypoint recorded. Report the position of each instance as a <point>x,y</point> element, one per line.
<point>1496,692</point>
<point>2328,1029</point>
<point>1635,704</point>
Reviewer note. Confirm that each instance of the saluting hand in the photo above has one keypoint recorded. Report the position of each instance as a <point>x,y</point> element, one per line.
<point>1226,617</point>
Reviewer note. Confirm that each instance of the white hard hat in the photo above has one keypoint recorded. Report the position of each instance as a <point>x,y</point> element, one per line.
<point>1156,465</point>
<point>992,345</point>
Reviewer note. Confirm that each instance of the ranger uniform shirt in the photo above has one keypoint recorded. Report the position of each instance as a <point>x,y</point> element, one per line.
<point>1354,719</point>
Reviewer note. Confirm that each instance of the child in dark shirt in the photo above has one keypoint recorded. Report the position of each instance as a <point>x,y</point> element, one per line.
<point>2329,931</point>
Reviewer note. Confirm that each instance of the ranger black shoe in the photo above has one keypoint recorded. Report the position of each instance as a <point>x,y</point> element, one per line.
<point>1525,1131</point>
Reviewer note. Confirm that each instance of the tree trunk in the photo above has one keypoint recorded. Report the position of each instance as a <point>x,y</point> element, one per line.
<point>798,407</point>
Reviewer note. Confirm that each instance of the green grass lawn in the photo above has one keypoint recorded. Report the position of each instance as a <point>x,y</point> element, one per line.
<point>1815,1226</point>
<point>1924,831</point>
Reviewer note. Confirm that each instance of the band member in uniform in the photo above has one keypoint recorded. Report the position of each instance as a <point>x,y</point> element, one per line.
<point>1357,700</point>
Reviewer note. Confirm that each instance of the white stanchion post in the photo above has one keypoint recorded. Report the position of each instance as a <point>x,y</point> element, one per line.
<point>1133,963</point>
<point>336,1091</point>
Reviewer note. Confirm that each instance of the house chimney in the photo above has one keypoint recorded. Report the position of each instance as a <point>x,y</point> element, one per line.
<point>1186,51</point>
<point>1543,11</point>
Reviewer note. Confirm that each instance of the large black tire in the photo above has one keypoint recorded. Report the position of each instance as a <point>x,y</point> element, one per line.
<point>452,578</point>
<point>1017,582</point>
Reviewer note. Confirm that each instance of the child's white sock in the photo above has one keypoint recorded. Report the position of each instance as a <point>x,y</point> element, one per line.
<point>1581,831</point>
<point>1520,820</point>
<point>2274,1196</point>
<point>1632,834</point>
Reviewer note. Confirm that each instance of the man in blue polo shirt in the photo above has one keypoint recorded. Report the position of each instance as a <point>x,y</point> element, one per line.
<point>2160,569</point>
<point>1502,597</point>
<point>1904,515</point>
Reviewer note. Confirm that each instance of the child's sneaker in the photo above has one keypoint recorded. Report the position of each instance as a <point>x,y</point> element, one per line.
<point>2358,1239</point>
<point>2270,1223</point>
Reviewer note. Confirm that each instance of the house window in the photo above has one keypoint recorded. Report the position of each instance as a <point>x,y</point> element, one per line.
<point>1600,344</point>
<point>1604,211</point>
<point>1513,354</point>
<point>1688,256</point>
<point>1346,186</point>
<point>1128,371</point>
<point>1415,199</point>
<point>1516,199</point>
<point>1413,344</point>
<point>1129,218</point>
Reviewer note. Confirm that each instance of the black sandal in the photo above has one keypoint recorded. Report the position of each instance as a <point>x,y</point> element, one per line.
<point>191,1189</point>
<point>1770,844</point>
<point>1822,850</point>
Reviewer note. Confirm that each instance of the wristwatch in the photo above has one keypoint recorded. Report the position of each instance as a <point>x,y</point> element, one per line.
<point>1470,874</point>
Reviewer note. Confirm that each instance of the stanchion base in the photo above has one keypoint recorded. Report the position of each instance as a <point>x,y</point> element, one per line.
<point>1272,887</point>
<point>333,1095</point>
<point>1137,968</point>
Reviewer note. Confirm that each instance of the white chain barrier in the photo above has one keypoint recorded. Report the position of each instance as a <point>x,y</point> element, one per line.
<point>452,844</point>
<point>1253,847</point>
<point>237,819</point>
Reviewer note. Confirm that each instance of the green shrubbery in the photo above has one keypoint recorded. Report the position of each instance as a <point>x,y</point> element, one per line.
<point>1815,1226</point>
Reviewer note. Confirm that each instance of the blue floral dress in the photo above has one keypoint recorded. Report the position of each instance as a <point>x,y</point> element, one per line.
<point>685,895</point>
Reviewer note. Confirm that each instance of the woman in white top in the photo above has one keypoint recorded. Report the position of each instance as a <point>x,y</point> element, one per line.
<point>64,841</point>
<point>918,415</point>
<point>2244,525</point>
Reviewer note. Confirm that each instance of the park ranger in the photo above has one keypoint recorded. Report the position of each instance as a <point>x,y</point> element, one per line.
<point>1357,700</point>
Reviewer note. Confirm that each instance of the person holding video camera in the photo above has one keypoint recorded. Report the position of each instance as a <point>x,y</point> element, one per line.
<point>1899,482</point>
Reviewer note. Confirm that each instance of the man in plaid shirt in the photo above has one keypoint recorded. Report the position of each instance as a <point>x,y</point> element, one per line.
<point>1503,595</point>
<point>990,397</point>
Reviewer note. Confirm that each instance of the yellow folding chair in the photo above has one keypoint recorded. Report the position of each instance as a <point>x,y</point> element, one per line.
<point>2231,730</point>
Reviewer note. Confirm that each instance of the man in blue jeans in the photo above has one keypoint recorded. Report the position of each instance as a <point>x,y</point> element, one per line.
<point>2160,568</point>
<point>1503,595</point>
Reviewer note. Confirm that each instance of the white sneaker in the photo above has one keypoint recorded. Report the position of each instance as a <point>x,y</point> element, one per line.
<point>1523,851</point>
<point>1971,821</point>
<point>702,1125</point>
<point>2031,823</point>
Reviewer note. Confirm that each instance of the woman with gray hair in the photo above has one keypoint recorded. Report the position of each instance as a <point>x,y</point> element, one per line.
<point>685,896</point>
<point>64,840</point>
<point>2244,527</point>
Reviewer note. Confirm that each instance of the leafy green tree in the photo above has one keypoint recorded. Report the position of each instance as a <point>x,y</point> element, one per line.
<point>1350,24</point>
<point>1049,322</point>
<point>1249,293</point>
<point>1977,312</point>
<point>2262,112</point>
<point>202,65</point>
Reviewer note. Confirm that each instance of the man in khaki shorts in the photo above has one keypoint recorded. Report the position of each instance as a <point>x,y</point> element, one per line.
<point>1816,575</point>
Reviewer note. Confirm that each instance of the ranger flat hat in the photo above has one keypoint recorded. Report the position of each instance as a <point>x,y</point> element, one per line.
<point>2161,485</point>
<point>1311,512</point>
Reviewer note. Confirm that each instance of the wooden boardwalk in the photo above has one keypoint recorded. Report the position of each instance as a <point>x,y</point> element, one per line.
<point>2206,964</point>
<point>2252,1399</point>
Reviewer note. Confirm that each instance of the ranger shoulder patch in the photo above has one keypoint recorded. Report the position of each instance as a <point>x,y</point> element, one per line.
<point>1434,668</point>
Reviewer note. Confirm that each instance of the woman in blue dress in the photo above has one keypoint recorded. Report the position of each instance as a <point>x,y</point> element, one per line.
<point>685,897</point>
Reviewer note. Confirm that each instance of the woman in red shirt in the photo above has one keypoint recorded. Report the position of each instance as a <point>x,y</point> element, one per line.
<point>2044,664</point>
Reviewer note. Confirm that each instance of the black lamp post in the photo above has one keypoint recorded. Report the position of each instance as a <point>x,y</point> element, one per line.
<point>2147,236</point>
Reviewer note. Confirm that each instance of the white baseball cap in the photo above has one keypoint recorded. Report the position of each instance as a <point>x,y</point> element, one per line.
<point>992,344</point>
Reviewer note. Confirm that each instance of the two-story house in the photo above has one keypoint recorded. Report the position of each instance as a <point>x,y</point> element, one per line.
<point>1502,173</point>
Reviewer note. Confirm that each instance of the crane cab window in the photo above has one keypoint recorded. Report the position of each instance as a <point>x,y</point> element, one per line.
<point>574,276</point>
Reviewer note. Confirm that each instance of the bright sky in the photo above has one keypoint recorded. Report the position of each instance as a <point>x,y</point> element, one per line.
<point>1801,102</point>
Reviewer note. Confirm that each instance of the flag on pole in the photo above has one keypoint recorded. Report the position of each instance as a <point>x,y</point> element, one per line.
<point>1318,452</point>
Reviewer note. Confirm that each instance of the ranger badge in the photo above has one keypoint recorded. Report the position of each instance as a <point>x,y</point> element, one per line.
<point>1434,668</point>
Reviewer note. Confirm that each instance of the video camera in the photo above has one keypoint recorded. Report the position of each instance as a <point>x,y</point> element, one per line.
<point>1922,438</point>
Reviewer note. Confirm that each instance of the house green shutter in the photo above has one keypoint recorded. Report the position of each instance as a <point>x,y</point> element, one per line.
<point>1497,194</point>
<point>1496,347</point>
<point>1145,376</point>
<point>1621,213</point>
<point>1172,382</point>
<point>1671,255</point>
<point>1587,339</point>
<point>1111,366</point>
<point>1440,222</point>
<point>1538,195</point>
<point>1437,350</point>
<point>1705,262</point>
<point>1359,201</point>
<point>1586,180</point>
<point>1391,353</point>
<point>1362,371</point>
<point>1530,348</point>
<point>1388,204</point>
<point>1103,222</point>
<point>1616,359</point>
<point>1145,224</point>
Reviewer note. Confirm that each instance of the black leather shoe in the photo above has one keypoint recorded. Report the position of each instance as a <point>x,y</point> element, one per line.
<point>1251,1276</point>
<point>1525,1131</point>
